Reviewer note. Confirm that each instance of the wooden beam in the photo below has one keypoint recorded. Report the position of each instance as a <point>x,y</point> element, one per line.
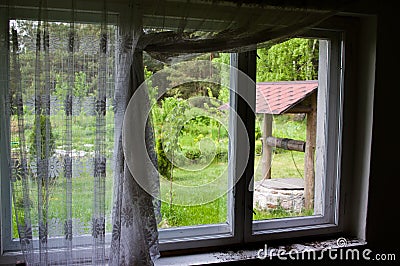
<point>218,12</point>
<point>266,149</point>
<point>299,109</point>
<point>287,144</point>
<point>309,169</point>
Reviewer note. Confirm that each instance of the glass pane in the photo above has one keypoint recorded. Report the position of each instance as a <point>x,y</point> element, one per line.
<point>84,71</point>
<point>190,115</point>
<point>286,126</point>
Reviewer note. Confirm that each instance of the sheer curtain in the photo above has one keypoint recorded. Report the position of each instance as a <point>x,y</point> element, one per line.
<point>136,212</point>
<point>70,84</point>
<point>61,77</point>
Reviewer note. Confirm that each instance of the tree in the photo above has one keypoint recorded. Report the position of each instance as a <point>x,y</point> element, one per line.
<point>32,139</point>
<point>295,59</point>
<point>195,79</point>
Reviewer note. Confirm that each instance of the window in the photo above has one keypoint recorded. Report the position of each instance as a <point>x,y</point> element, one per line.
<point>256,209</point>
<point>238,214</point>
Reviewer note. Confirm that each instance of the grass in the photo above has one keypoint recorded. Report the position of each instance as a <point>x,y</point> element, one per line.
<point>82,203</point>
<point>83,129</point>
<point>198,197</point>
<point>216,210</point>
<point>279,213</point>
<point>284,164</point>
<point>211,213</point>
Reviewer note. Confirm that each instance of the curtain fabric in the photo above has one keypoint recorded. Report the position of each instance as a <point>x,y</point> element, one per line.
<point>61,78</point>
<point>63,75</point>
<point>49,93</point>
<point>134,234</point>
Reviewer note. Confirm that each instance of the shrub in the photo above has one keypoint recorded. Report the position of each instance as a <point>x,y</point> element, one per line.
<point>193,154</point>
<point>222,155</point>
<point>32,138</point>
<point>164,164</point>
<point>258,148</point>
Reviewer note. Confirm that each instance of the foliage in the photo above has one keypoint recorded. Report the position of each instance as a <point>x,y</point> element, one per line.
<point>223,95</point>
<point>44,120</point>
<point>287,126</point>
<point>222,58</point>
<point>166,118</point>
<point>164,164</point>
<point>85,57</point>
<point>258,148</point>
<point>295,59</point>
<point>224,92</point>
<point>80,88</point>
<point>194,79</point>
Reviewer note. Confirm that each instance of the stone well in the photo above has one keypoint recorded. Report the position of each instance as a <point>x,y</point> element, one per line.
<point>287,193</point>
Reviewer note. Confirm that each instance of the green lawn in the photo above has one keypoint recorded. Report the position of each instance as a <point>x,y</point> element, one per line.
<point>198,197</point>
<point>284,164</point>
<point>82,203</point>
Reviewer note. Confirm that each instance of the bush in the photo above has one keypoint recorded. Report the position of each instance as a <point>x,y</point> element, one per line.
<point>193,154</point>
<point>222,155</point>
<point>32,138</point>
<point>164,165</point>
<point>258,148</point>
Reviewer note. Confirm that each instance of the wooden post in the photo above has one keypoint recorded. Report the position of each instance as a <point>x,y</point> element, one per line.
<point>266,158</point>
<point>309,169</point>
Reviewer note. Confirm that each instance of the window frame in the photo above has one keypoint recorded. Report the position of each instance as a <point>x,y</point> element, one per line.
<point>5,193</point>
<point>329,134</point>
<point>239,228</point>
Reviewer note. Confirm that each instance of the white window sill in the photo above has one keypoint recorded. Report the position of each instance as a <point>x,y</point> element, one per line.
<point>252,254</point>
<point>232,256</point>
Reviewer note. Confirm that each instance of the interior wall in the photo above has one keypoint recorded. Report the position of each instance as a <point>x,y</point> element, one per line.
<point>383,199</point>
<point>360,53</point>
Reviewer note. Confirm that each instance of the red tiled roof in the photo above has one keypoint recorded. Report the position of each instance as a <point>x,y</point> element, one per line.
<point>278,97</point>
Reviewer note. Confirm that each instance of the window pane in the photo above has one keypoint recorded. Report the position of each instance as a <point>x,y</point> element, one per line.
<point>190,114</point>
<point>286,127</point>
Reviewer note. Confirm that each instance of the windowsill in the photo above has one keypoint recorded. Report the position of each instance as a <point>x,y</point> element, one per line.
<point>11,258</point>
<point>278,251</point>
<point>290,251</point>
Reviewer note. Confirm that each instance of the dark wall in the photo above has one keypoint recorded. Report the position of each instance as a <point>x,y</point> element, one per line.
<point>383,203</point>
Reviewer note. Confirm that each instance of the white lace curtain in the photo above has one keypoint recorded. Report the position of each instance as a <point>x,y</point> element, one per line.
<point>70,84</point>
<point>61,91</point>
